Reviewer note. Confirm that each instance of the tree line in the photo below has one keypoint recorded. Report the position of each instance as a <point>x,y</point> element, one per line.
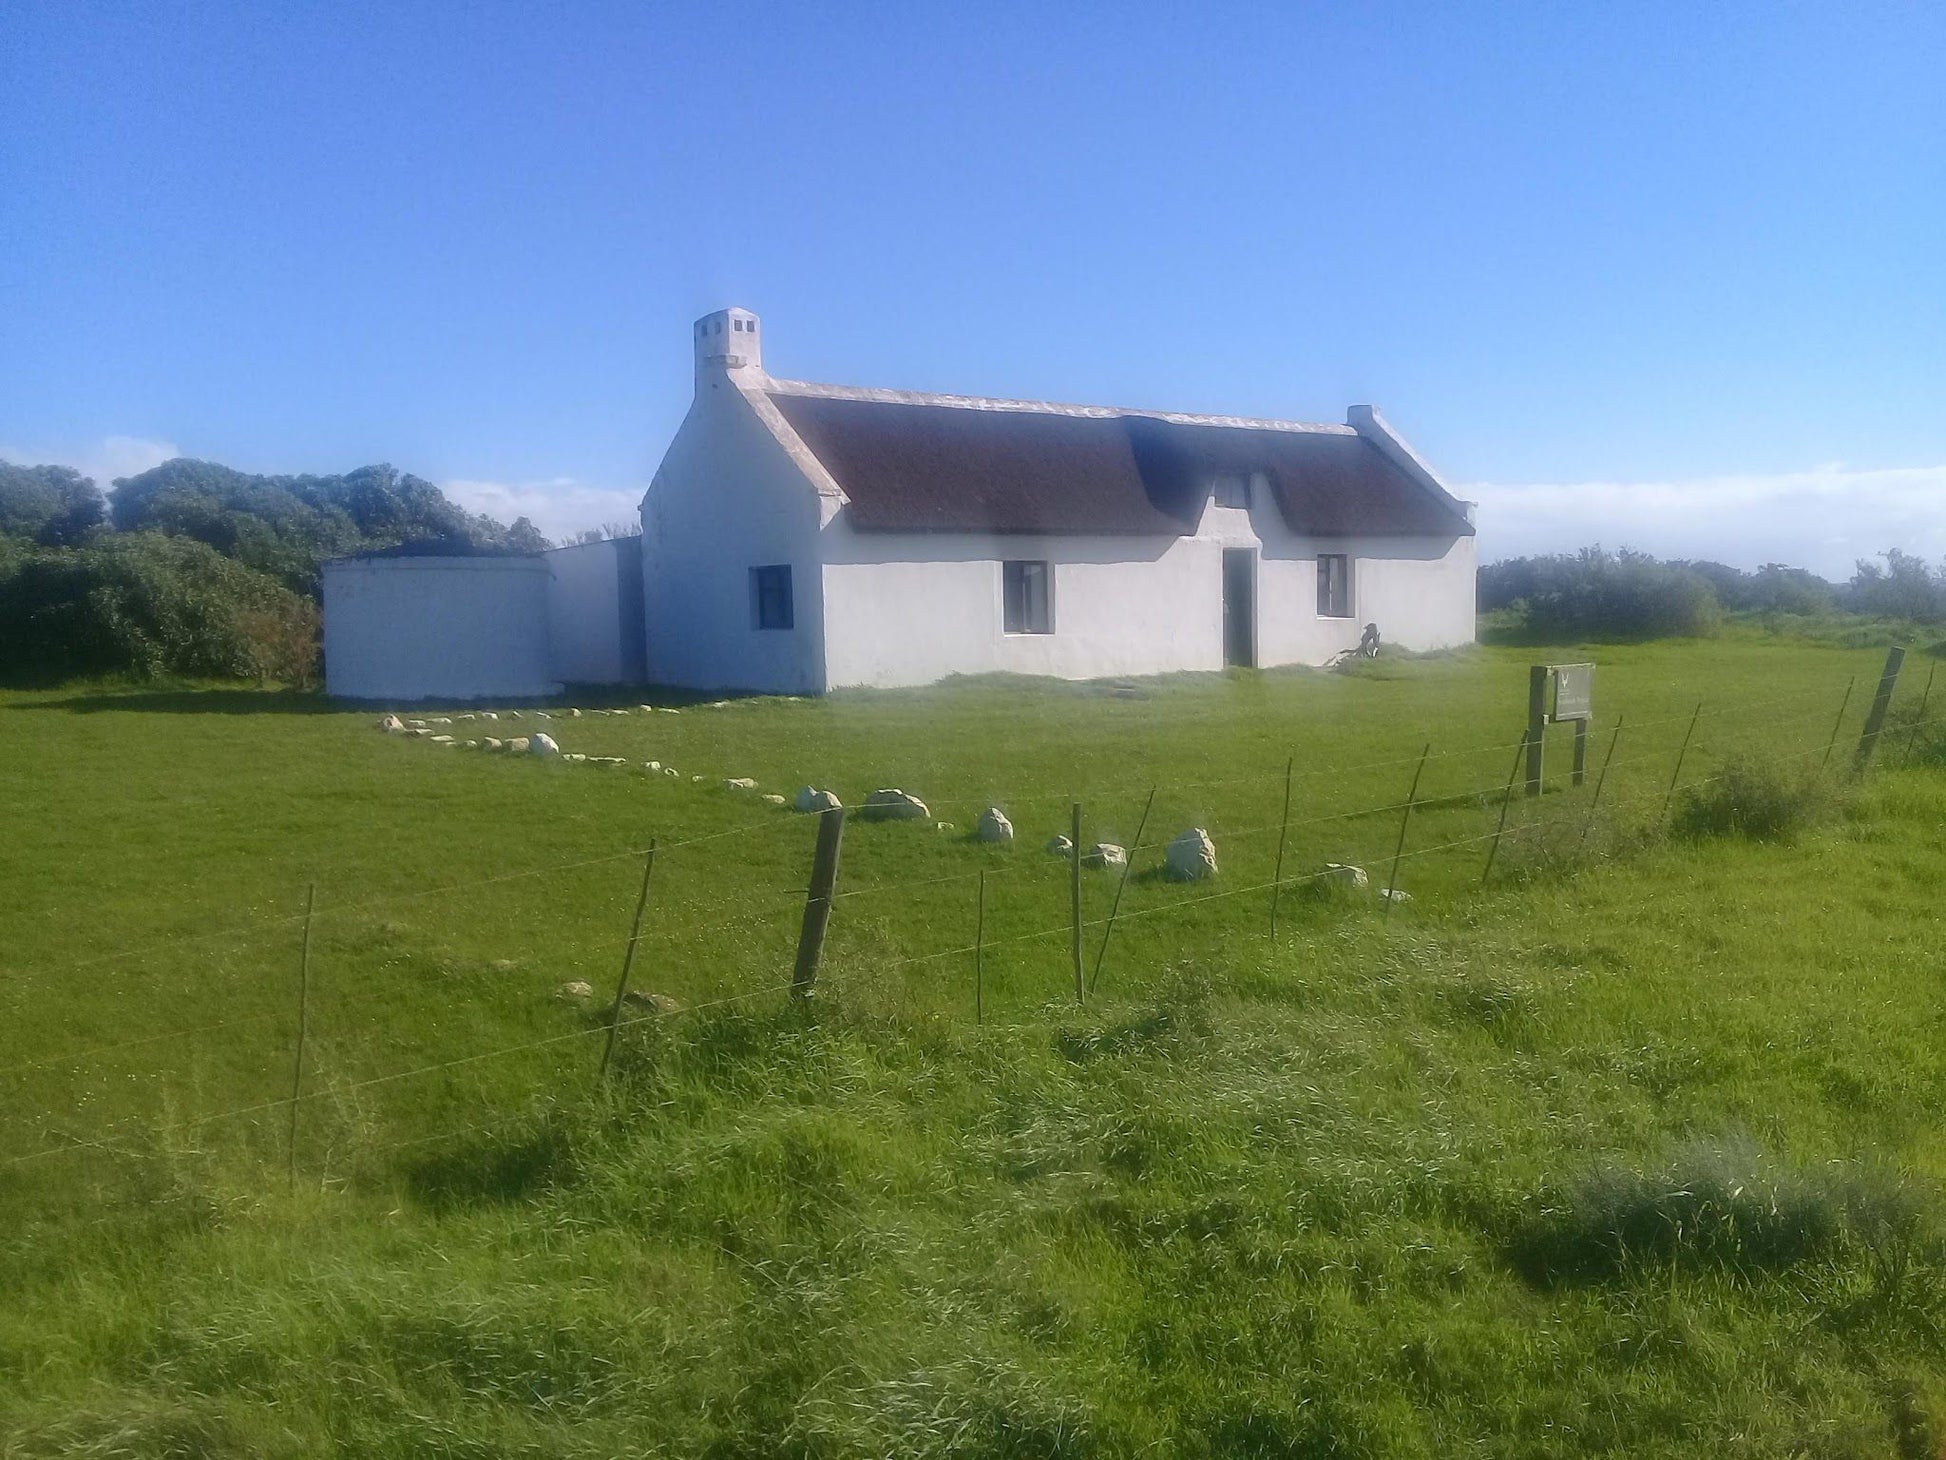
<point>1597,594</point>
<point>194,569</point>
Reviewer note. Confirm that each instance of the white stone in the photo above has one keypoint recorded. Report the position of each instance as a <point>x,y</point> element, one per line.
<point>440,720</point>
<point>442,740</point>
<point>520,745</point>
<point>421,733</point>
<point>889,803</point>
<point>513,714</point>
<point>773,799</point>
<point>574,758</point>
<point>542,715</point>
<point>646,709</point>
<point>471,745</point>
<point>576,991</point>
<point>739,783</point>
<point>491,744</point>
<point>469,715</point>
<point>1191,856</point>
<point>1394,894</point>
<point>670,770</point>
<point>415,724</point>
<point>667,710</point>
<point>1105,854</point>
<point>653,1002</point>
<point>542,744</point>
<point>607,760</point>
<point>392,725</point>
<point>488,715</point>
<point>945,826</point>
<point>1060,846</point>
<point>651,766</point>
<point>994,826</point>
<point>695,780</point>
<point>574,714</point>
<point>810,799</point>
<point>1344,875</point>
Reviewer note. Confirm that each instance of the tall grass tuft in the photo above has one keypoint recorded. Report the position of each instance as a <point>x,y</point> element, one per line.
<point>1721,1204</point>
<point>1758,799</point>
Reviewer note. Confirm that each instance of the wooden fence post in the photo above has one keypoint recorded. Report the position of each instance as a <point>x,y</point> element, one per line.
<point>1580,752</point>
<point>303,1026</point>
<point>1919,720</point>
<point>979,954</point>
<point>1838,724</point>
<point>1888,682</point>
<point>1676,775</point>
<point>1074,899</point>
<point>817,901</point>
<point>1600,781</point>
<point>1536,725</point>
<point>628,965</point>
<point>1283,835</point>
<point>1121,887</point>
<point>1506,799</point>
<point>1392,882</point>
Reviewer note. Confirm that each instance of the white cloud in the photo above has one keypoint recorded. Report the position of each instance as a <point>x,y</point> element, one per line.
<point>559,508</point>
<point>1823,519</point>
<point>104,460</point>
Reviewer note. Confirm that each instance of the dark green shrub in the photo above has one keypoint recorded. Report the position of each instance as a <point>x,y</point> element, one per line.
<point>1595,594</point>
<point>146,605</point>
<point>1759,799</point>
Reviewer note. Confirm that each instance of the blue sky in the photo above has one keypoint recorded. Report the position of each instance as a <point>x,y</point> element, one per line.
<point>1669,276</point>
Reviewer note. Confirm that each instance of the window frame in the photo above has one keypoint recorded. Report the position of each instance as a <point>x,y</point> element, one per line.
<point>1343,605</point>
<point>1009,568</point>
<point>1232,490</point>
<point>772,573</point>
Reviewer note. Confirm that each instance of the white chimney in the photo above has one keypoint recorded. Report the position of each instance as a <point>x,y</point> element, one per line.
<point>727,340</point>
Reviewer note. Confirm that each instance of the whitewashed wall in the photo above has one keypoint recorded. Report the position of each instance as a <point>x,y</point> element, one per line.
<point>402,629</point>
<point>726,499</point>
<point>594,612</point>
<point>907,609</point>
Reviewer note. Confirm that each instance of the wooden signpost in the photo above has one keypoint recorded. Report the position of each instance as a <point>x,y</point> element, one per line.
<point>1557,693</point>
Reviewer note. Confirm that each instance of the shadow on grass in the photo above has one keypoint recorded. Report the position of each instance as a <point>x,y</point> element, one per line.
<point>219,699</point>
<point>493,1167</point>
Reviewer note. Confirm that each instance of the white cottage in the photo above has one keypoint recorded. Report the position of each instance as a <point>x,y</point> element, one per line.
<point>801,537</point>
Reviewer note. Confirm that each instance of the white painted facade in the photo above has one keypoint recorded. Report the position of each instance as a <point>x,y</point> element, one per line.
<point>401,629</point>
<point>738,489</point>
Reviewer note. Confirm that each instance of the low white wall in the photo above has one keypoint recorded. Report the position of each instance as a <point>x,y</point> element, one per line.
<point>403,629</point>
<point>594,612</point>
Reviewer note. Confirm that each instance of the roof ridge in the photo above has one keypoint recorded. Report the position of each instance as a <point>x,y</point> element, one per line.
<point>818,390</point>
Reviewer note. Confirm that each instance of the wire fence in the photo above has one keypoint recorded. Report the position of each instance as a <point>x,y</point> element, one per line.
<point>1009,924</point>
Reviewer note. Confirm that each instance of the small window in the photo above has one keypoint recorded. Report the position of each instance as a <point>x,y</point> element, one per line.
<point>1028,606</point>
<point>1233,491</point>
<point>1334,585</point>
<point>770,597</point>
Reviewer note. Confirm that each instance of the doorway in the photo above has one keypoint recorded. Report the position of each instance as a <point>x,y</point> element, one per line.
<point>1240,607</point>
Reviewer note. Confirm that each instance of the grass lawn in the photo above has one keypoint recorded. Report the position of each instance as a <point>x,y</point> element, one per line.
<point>1636,1151</point>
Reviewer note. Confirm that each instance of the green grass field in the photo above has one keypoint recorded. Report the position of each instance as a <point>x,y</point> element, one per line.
<point>1636,1151</point>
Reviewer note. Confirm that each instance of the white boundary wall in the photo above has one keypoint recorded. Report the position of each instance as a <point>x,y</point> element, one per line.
<point>406,628</point>
<point>594,612</point>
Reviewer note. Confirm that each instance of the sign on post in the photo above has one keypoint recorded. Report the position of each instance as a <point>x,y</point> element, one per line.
<point>1558,693</point>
